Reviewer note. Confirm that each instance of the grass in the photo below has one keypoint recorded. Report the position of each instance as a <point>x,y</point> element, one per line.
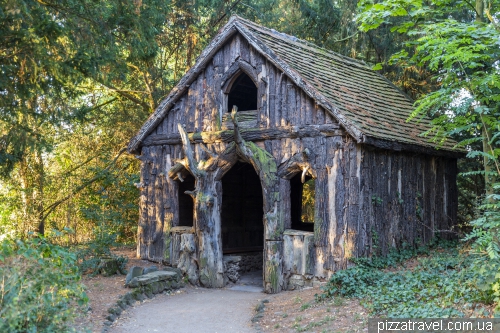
<point>305,306</point>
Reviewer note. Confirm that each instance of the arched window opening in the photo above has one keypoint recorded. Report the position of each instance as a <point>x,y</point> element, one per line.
<point>243,94</point>
<point>302,199</point>
<point>186,203</point>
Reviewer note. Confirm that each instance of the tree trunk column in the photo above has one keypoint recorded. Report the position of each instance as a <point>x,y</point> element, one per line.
<point>206,212</point>
<point>265,166</point>
<point>207,227</point>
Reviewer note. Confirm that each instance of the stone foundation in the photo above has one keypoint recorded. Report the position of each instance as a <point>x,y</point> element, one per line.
<point>297,281</point>
<point>239,263</point>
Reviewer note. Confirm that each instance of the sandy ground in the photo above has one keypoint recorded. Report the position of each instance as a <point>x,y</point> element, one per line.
<point>243,308</point>
<point>192,310</point>
<point>298,311</point>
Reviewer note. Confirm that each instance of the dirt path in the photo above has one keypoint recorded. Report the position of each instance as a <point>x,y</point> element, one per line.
<point>193,310</point>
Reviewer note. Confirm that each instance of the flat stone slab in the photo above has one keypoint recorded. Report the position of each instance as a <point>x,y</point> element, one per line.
<point>150,269</point>
<point>153,277</point>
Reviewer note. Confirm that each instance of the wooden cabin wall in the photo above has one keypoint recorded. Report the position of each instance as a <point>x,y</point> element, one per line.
<point>385,199</point>
<point>159,194</point>
<point>367,200</point>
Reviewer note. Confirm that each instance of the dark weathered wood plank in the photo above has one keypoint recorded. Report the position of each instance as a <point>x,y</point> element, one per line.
<point>254,134</point>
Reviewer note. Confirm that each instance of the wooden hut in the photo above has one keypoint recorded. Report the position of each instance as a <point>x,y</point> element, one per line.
<point>317,165</point>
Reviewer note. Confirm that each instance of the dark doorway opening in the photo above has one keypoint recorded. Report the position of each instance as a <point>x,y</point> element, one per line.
<point>302,203</point>
<point>242,210</point>
<point>186,203</point>
<point>243,94</point>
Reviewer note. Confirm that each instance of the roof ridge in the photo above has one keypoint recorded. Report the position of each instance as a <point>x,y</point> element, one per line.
<point>297,40</point>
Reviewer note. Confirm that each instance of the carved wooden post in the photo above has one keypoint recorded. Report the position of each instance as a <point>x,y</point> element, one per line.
<point>187,262</point>
<point>265,166</point>
<point>206,215</point>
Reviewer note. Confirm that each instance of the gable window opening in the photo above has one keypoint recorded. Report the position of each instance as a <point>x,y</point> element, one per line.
<point>243,94</point>
<point>302,199</point>
<point>186,202</point>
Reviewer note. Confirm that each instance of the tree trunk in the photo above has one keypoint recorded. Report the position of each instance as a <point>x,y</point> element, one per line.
<point>206,215</point>
<point>38,194</point>
<point>488,181</point>
<point>265,166</point>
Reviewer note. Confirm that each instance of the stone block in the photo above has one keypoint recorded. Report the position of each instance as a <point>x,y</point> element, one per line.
<point>144,280</point>
<point>173,269</point>
<point>122,303</point>
<point>150,269</point>
<point>116,310</point>
<point>148,290</point>
<point>298,252</point>
<point>136,294</point>
<point>161,276</point>
<point>132,273</point>
<point>168,285</point>
<point>317,283</point>
<point>155,287</point>
<point>111,317</point>
<point>108,266</point>
<point>134,283</point>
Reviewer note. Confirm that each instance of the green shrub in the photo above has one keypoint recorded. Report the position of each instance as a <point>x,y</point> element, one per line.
<point>445,283</point>
<point>486,245</point>
<point>40,289</point>
<point>90,254</point>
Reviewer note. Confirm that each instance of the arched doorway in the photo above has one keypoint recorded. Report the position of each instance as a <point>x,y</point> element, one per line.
<point>242,210</point>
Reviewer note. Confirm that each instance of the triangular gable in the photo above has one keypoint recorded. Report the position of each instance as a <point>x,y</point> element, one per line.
<point>372,111</point>
<point>234,25</point>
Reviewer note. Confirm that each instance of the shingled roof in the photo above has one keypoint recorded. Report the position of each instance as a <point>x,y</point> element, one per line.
<point>367,105</point>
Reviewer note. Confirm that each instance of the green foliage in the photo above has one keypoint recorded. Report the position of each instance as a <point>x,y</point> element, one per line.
<point>458,42</point>
<point>80,77</point>
<point>40,287</point>
<point>89,255</point>
<point>441,283</point>
<point>376,200</point>
<point>486,245</point>
<point>308,198</point>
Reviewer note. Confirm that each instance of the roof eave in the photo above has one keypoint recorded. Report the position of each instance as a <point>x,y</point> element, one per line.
<point>414,148</point>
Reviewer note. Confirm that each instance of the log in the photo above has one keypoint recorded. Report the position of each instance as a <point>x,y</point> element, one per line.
<point>299,162</point>
<point>251,134</point>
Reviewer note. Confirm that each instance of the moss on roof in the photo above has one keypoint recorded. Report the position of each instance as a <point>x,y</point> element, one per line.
<point>365,98</point>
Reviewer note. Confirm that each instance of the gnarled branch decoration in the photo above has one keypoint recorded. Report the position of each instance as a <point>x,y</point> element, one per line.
<point>299,162</point>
